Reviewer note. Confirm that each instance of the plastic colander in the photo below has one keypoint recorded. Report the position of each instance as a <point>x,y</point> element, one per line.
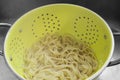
<point>78,21</point>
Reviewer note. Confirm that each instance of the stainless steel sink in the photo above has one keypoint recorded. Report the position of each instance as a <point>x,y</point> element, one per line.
<point>10,11</point>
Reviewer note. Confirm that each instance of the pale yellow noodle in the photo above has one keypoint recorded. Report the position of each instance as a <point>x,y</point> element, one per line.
<point>57,57</point>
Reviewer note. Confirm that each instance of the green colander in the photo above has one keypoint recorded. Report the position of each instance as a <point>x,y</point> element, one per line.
<point>82,23</point>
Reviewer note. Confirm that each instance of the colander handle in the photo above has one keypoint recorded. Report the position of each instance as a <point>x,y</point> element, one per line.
<point>115,62</point>
<point>7,25</point>
<point>1,53</point>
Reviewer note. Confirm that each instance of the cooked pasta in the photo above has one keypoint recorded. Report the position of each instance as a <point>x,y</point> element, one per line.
<point>57,57</point>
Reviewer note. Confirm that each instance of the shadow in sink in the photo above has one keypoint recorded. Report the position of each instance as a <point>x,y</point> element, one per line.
<point>108,9</point>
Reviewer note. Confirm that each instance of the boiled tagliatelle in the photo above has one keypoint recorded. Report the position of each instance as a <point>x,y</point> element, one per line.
<point>57,57</point>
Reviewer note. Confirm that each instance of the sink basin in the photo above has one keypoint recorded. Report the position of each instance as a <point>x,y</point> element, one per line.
<point>10,11</point>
